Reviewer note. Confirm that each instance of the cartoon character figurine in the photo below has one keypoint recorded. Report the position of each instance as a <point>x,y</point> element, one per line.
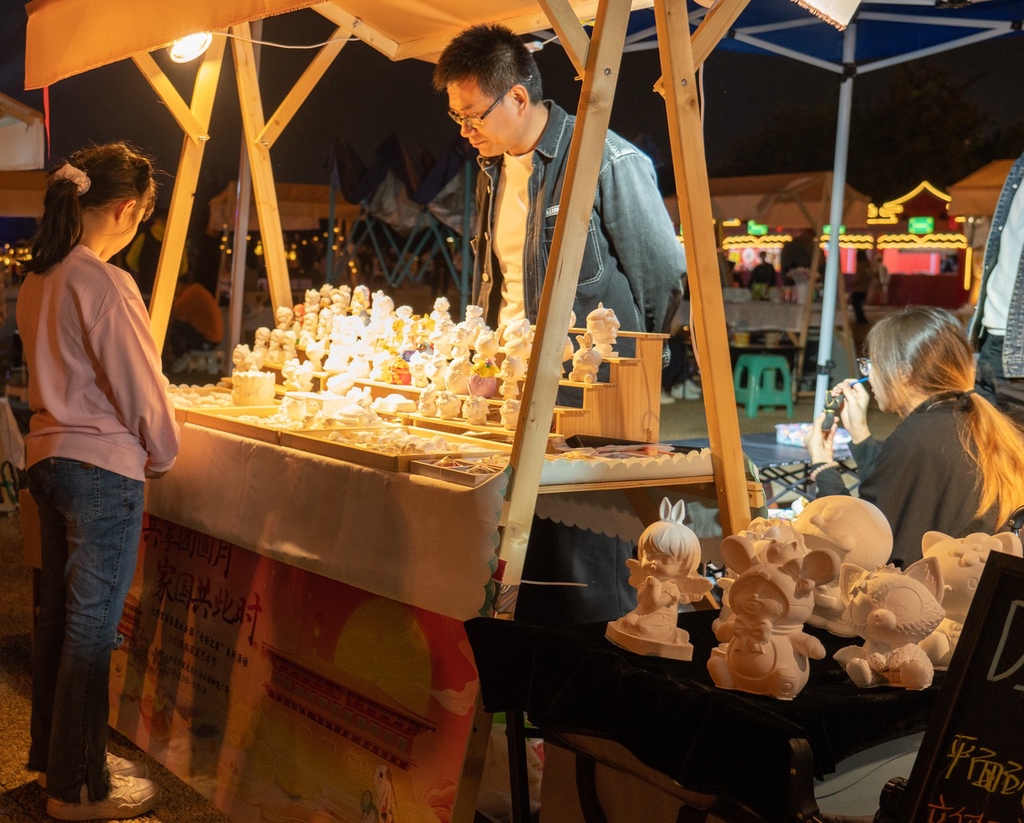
<point>665,576</point>
<point>858,533</point>
<point>961,560</point>
<point>762,532</point>
<point>427,404</point>
<point>893,611</point>
<point>509,413</point>
<point>457,378</point>
<point>448,405</point>
<point>586,361</point>
<point>315,352</point>
<point>513,369</point>
<point>603,327</point>
<point>764,649</point>
<point>475,409</point>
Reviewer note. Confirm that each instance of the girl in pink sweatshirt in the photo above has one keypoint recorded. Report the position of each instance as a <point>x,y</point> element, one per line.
<point>101,425</point>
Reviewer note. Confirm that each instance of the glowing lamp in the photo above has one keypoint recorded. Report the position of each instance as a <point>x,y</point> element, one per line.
<point>836,12</point>
<point>190,47</point>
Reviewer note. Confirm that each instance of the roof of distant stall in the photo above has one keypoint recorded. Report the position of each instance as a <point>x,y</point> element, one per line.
<point>977,193</point>
<point>794,201</point>
<point>302,206</point>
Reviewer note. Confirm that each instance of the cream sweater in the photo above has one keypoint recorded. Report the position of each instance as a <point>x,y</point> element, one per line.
<point>95,382</point>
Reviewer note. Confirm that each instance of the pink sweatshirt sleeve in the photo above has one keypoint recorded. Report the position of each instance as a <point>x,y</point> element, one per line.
<point>123,344</point>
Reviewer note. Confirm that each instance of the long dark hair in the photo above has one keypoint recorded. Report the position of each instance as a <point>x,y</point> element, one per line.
<point>923,350</point>
<point>115,171</point>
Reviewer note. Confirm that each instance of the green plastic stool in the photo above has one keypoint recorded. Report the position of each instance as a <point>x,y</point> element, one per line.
<point>763,380</point>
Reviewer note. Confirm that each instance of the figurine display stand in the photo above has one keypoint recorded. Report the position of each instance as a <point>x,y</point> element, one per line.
<point>764,649</point>
<point>961,561</point>
<point>893,611</point>
<point>665,577</point>
<point>858,533</point>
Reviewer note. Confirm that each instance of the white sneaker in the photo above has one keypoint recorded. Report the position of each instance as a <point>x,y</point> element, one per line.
<point>688,390</point>
<point>667,397</point>
<point>128,797</point>
<point>115,765</point>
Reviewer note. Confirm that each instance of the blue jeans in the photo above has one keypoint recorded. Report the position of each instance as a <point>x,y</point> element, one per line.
<point>90,522</point>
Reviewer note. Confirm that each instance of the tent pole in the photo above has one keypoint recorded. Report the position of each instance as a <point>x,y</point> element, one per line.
<point>706,301</point>
<point>240,242</point>
<point>832,273</point>
<point>466,262</point>
<point>567,247</point>
<point>183,195</point>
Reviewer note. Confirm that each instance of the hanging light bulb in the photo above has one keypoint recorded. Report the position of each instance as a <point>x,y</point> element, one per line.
<point>190,47</point>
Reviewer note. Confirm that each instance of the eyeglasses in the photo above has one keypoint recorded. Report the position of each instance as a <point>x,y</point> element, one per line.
<point>474,122</point>
<point>864,365</point>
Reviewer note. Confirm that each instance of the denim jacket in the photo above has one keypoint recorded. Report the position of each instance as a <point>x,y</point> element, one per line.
<point>1013,343</point>
<point>633,261</point>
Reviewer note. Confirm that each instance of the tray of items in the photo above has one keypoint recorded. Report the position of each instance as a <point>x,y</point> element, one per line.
<point>465,471</point>
<point>245,421</point>
<point>589,459</point>
<point>389,447</point>
<point>186,397</point>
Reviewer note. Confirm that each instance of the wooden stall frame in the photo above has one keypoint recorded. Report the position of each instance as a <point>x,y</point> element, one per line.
<point>598,59</point>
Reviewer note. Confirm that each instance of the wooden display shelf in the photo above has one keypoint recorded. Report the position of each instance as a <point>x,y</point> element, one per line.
<point>320,442</point>
<point>226,420</point>
<point>628,405</point>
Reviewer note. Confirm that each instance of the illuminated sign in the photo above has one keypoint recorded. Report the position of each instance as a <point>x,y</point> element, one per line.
<point>756,229</point>
<point>827,229</point>
<point>920,225</point>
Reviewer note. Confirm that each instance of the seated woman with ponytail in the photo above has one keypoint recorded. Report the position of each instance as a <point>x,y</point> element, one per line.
<point>953,464</point>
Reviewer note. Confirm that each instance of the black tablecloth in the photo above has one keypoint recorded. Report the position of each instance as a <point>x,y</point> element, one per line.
<point>672,718</point>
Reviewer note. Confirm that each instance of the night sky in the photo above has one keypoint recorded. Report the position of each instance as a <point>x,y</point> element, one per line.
<point>364,97</point>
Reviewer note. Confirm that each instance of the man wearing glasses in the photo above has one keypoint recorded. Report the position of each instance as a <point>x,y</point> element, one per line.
<point>633,263</point>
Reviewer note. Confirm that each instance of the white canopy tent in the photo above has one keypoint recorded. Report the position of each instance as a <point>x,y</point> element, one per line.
<point>977,193</point>
<point>22,150</point>
<point>22,136</point>
<point>302,206</point>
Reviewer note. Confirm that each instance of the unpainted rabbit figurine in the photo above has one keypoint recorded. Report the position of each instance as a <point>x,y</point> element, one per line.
<point>585,362</point>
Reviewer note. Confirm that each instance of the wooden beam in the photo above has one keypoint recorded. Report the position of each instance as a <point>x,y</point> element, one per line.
<point>715,25</point>
<point>710,337</point>
<point>184,193</point>
<point>165,90</point>
<point>251,104</point>
<point>569,30</point>
<point>566,257</point>
<point>341,18</point>
<point>303,86</point>
<point>429,48</point>
<point>709,33</point>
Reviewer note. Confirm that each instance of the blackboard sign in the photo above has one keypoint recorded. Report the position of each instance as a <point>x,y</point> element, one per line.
<point>971,763</point>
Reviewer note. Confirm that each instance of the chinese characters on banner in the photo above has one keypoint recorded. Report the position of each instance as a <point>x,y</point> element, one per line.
<point>280,694</point>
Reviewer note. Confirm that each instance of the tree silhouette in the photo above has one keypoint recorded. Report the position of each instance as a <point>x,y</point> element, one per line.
<point>924,128</point>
